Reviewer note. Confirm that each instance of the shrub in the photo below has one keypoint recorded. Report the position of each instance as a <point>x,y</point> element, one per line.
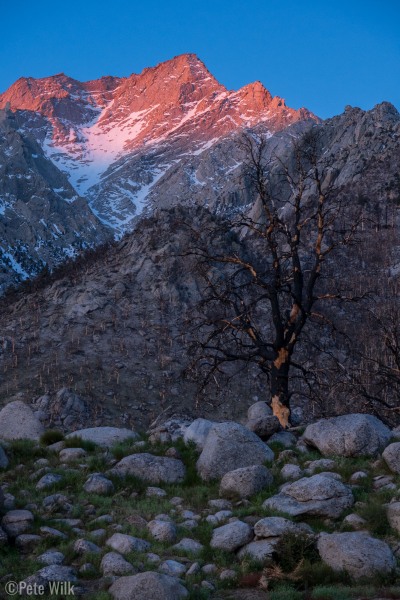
<point>293,548</point>
<point>51,436</point>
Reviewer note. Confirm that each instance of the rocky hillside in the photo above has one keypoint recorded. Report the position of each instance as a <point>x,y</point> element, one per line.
<point>201,510</point>
<point>42,219</point>
<point>116,327</point>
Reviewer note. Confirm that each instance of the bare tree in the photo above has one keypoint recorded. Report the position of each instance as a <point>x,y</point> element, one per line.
<point>264,269</point>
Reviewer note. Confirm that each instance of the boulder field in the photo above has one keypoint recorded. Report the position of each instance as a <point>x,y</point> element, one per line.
<point>202,511</point>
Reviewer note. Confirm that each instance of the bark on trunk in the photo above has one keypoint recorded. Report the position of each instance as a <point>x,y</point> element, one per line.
<point>280,387</point>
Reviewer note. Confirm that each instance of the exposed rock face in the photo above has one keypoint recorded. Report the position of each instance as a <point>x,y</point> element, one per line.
<point>230,446</point>
<point>317,495</point>
<point>148,586</point>
<point>17,422</point>
<point>348,435</point>
<point>118,138</point>
<point>154,469</point>
<point>64,409</point>
<point>357,553</point>
<point>42,218</point>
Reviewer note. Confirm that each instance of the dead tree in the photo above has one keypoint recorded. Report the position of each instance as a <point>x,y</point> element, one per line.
<point>264,269</point>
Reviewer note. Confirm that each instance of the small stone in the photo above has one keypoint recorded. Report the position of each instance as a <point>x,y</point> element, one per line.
<point>50,532</point>
<point>68,455</point>
<point>291,472</point>
<point>16,522</point>
<point>355,521</point>
<point>383,482</point>
<point>51,557</point>
<point>56,502</point>
<point>220,504</point>
<point>322,464</point>
<point>207,585</point>
<point>227,574</point>
<point>136,521</point>
<point>188,545</point>
<point>47,481</point>
<point>358,476</point>
<point>172,568</point>
<point>193,569</point>
<point>209,569</point>
<point>82,546</point>
<point>189,524</point>
<point>113,564</point>
<point>57,573</point>
<point>155,491</point>
<point>103,518</point>
<point>232,536</point>
<point>153,558</point>
<point>162,531</point>
<point>97,483</point>
<point>124,544</point>
<point>98,534</point>
<point>176,500</point>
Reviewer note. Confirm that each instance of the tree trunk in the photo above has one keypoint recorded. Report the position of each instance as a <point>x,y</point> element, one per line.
<point>279,383</point>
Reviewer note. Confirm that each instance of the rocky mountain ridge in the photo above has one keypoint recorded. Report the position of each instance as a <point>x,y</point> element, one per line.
<point>114,148</point>
<point>117,144</point>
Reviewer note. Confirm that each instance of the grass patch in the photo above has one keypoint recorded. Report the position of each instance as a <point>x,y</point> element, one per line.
<point>285,592</point>
<point>25,451</point>
<point>295,547</point>
<point>375,514</point>
<point>51,436</point>
<point>77,442</point>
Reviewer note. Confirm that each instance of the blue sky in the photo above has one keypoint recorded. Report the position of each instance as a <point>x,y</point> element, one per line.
<point>322,55</point>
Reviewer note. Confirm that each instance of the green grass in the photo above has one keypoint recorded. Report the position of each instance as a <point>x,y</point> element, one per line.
<point>25,451</point>
<point>375,514</point>
<point>285,591</point>
<point>51,436</point>
<point>76,442</point>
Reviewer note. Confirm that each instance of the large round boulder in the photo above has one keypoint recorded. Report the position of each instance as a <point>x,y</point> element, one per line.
<point>18,422</point>
<point>147,586</point>
<point>230,446</point>
<point>319,495</point>
<point>261,420</point>
<point>348,435</point>
<point>104,436</point>
<point>154,469</point>
<point>245,482</point>
<point>357,553</point>
<point>231,536</point>
<point>197,432</point>
<point>391,456</point>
